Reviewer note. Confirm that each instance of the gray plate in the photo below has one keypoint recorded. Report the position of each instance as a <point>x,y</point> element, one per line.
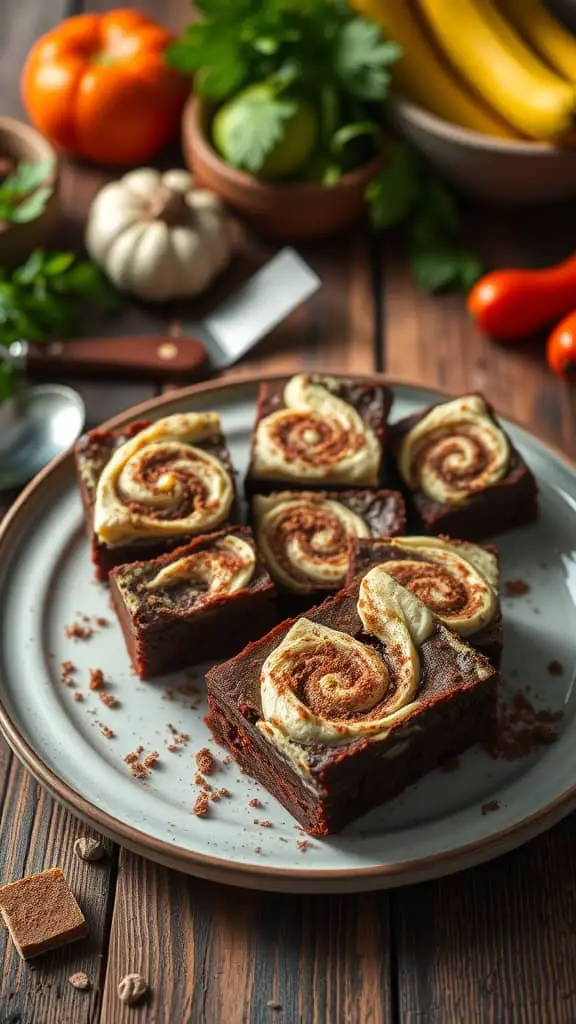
<point>431,829</point>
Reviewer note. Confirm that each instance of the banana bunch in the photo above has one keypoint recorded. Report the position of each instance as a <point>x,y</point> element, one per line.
<point>506,68</point>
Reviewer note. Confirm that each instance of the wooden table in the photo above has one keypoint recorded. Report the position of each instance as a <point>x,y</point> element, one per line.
<point>494,944</point>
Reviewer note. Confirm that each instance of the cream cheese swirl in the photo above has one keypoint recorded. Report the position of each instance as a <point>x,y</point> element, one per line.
<point>316,437</point>
<point>322,686</point>
<point>224,568</point>
<point>303,538</point>
<point>458,581</point>
<point>455,451</point>
<point>159,484</point>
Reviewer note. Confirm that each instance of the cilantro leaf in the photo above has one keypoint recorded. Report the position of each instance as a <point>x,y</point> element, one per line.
<point>255,127</point>
<point>437,259</point>
<point>31,208</point>
<point>362,58</point>
<point>22,199</point>
<point>393,192</point>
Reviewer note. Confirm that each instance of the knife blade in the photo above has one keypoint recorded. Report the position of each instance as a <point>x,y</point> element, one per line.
<point>218,340</point>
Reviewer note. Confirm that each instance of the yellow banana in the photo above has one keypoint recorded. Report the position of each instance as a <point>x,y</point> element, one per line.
<point>495,61</point>
<point>545,35</point>
<point>421,75</point>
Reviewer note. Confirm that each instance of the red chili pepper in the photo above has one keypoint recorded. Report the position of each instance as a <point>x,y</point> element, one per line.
<point>561,349</point>
<point>510,303</point>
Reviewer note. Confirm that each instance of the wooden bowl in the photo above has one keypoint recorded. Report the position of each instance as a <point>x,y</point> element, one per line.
<point>291,210</point>
<point>20,142</point>
<point>504,171</point>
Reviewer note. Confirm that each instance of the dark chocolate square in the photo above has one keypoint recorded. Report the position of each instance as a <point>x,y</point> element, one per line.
<point>326,786</point>
<point>365,554</point>
<point>303,536</point>
<point>92,453</point>
<point>369,400</point>
<point>181,623</point>
<point>511,502</point>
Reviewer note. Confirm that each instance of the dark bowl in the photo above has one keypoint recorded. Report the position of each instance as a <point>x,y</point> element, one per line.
<point>19,142</point>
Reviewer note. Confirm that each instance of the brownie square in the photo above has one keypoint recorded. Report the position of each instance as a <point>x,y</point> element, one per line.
<point>167,482</point>
<point>303,536</point>
<point>315,431</point>
<point>458,588</point>
<point>334,714</point>
<point>41,913</point>
<point>203,601</point>
<point>464,476</point>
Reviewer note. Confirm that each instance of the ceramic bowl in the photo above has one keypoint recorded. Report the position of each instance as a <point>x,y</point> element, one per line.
<point>291,210</point>
<point>19,142</point>
<point>510,172</point>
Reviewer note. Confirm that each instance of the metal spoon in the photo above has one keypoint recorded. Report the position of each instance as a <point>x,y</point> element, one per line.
<point>36,424</point>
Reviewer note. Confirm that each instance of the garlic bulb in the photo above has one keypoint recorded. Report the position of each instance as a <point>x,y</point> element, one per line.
<point>157,236</point>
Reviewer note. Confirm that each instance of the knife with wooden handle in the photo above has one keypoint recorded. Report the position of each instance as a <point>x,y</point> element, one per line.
<point>217,341</point>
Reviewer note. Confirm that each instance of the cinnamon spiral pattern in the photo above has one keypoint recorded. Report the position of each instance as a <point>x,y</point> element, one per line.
<point>158,484</point>
<point>317,436</point>
<point>454,451</point>
<point>458,582</point>
<point>303,538</point>
<point>323,686</point>
<point>222,569</point>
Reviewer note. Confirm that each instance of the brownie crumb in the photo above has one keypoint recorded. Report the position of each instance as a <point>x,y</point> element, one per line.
<point>515,588</point>
<point>201,805</point>
<point>67,670</point>
<point>141,769</point>
<point>76,631</point>
<point>78,696</point>
<point>205,761</point>
<point>303,844</point>
<point>151,760</point>
<point>223,793</point>
<point>521,729</point>
<point>273,1004</point>
<point>97,681</point>
<point>258,849</point>
<point>106,731</point>
<point>227,760</point>
<point>254,802</point>
<point>109,700</point>
<point>263,824</point>
<point>491,805</point>
<point>101,622</point>
<point>80,980</point>
<point>556,668</point>
<point>138,770</point>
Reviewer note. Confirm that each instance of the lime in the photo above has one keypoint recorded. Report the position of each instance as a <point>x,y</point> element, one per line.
<point>239,118</point>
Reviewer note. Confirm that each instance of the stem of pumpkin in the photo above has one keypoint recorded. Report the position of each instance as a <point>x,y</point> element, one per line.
<point>170,206</point>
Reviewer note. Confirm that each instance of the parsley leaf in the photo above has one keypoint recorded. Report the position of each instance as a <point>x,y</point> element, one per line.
<point>362,59</point>
<point>41,299</point>
<point>393,192</point>
<point>255,127</point>
<point>22,199</point>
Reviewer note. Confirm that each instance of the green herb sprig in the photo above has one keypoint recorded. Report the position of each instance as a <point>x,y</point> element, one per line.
<point>24,194</point>
<point>408,193</point>
<point>304,49</point>
<point>41,299</point>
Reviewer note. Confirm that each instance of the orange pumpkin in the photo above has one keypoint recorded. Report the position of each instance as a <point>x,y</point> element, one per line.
<point>98,86</point>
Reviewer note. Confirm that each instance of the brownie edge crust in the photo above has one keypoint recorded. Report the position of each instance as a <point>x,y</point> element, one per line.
<point>330,786</point>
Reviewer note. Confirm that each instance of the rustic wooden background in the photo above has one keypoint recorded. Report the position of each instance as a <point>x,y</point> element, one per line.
<point>496,944</point>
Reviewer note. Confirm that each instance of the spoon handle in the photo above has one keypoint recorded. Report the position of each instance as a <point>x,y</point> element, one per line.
<point>159,356</point>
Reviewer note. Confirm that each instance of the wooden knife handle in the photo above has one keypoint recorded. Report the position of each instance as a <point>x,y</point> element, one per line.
<point>159,356</point>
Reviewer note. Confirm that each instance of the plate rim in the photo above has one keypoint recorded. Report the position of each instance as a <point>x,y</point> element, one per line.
<point>296,878</point>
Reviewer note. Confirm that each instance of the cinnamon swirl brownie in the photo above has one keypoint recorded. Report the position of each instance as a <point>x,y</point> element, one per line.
<point>304,536</point>
<point>318,432</point>
<point>340,710</point>
<point>152,486</point>
<point>463,473</point>
<point>204,600</point>
<point>457,580</point>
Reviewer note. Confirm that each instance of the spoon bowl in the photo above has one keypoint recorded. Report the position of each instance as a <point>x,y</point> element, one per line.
<point>51,419</point>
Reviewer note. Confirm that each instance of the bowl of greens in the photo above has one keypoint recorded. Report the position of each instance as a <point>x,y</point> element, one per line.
<point>29,205</point>
<point>286,123</point>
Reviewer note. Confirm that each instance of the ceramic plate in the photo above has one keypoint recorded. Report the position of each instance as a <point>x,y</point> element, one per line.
<point>46,583</point>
